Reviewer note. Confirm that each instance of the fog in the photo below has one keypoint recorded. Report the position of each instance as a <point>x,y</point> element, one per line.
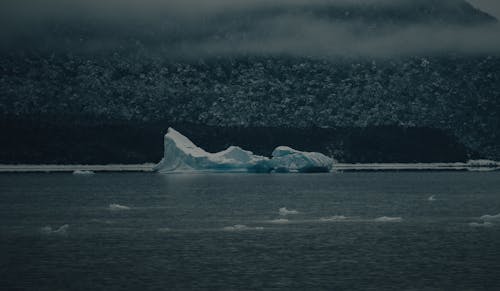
<point>490,6</point>
<point>197,28</point>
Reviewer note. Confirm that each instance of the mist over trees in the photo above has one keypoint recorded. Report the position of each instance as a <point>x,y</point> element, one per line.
<point>299,64</point>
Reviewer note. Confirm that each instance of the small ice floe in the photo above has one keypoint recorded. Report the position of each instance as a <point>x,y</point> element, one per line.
<point>431,198</point>
<point>333,218</point>
<point>117,207</point>
<point>163,229</point>
<point>490,217</point>
<point>83,172</point>
<point>283,211</point>
<point>241,227</point>
<point>279,221</point>
<point>61,230</point>
<point>388,219</point>
<point>483,224</point>
<point>486,221</point>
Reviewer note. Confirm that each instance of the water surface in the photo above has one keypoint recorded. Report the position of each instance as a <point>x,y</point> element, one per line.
<point>353,231</point>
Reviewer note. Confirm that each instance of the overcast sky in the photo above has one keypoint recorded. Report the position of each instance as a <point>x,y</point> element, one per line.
<point>225,27</point>
<point>490,6</point>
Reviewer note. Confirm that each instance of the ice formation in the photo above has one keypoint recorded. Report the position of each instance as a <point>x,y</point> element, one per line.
<point>182,155</point>
<point>333,218</point>
<point>283,211</point>
<point>241,227</point>
<point>286,159</point>
<point>483,224</point>
<point>279,221</point>
<point>388,219</point>
<point>490,217</point>
<point>49,230</point>
<point>116,207</point>
<point>83,172</point>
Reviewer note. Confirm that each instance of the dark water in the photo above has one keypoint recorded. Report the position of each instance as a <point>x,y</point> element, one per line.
<point>173,236</point>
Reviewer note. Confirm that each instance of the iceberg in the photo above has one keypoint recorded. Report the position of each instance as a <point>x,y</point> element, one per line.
<point>286,159</point>
<point>182,155</point>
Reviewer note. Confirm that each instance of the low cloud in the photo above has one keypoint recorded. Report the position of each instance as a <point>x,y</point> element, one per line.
<point>197,28</point>
<point>318,38</point>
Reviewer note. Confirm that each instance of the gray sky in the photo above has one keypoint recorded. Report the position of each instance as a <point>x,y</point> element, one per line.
<point>490,6</point>
<point>225,27</point>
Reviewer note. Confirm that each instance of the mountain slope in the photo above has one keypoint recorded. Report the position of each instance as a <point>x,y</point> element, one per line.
<point>409,64</point>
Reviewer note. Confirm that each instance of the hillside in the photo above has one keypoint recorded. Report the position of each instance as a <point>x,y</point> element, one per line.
<point>146,72</point>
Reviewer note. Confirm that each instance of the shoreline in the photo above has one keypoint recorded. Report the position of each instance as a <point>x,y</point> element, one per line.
<point>71,168</point>
<point>339,167</point>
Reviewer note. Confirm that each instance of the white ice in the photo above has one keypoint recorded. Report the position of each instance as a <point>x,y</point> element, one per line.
<point>283,211</point>
<point>388,219</point>
<point>182,155</point>
<point>286,159</point>
<point>490,217</point>
<point>241,227</point>
<point>333,218</point>
<point>484,224</point>
<point>61,230</point>
<point>115,207</point>
<point>83,172</point>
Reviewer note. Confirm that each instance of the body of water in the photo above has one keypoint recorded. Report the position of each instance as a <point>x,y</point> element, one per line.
<point>341,231</point>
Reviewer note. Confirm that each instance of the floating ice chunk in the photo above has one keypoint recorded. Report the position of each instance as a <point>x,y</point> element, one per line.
<point>431,198</point>
<point>333,218</point>
<point>490,217</point>
<point>487,220</point>
<point>83,172</point>
<point>484,224</point>
<point>279,221</point>
<point>61,230</point>
<point>115,207</point>
<point>286,159</point>
<point>283,211</point>
<point>182,155</point>
<point>164,229</point>
<point>235,227</point>
<point>241,227</point>
<point>388,219</point>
